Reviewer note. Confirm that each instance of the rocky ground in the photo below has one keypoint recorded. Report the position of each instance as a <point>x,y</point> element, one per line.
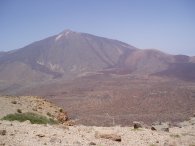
<point>22,134</point>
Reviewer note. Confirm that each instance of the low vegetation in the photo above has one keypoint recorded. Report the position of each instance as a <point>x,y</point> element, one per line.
<point>32,117</point>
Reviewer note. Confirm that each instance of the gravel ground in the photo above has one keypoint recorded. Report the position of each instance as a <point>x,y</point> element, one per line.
<point>27,134</point>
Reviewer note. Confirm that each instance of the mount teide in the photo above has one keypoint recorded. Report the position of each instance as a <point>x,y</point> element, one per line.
<point>68,54</point>
<point>99,75</point>
<point>71,54</point>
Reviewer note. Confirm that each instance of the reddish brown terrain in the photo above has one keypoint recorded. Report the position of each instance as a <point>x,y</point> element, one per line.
<point>112,99</point>
<point>101,81</point>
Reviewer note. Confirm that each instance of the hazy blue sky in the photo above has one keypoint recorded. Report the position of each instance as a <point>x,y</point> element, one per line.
<point>168,25</point>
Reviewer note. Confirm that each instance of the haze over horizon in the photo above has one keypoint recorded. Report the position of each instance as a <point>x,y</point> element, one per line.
<point>164,25</point>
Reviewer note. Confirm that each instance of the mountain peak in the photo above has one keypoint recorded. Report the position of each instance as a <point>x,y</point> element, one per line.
<point>65,33</point>
<point>67,30</point>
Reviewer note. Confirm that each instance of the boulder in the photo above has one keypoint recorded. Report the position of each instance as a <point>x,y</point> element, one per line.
<point>3,132</point>
<point>92,143</point>
<point>137,125</point>
<point>40,135</point>
<point>153,128</point>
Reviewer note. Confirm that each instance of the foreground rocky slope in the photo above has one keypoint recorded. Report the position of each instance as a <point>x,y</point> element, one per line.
<point>21,134</point>
<point>30,104</point>
<point>18,134</point>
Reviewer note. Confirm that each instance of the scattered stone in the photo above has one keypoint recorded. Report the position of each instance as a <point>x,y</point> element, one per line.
<point>183,124</point>
<point>3,132</point>
<point>153,128</point>
<point>40,107</point>
<point>162,127</point>
<point>19,110</point>
<point>12,134</point>
<point>113,137</point>
<point>166,129</point>
<point>62,117</point>
<point>27,122</point>
<point>69,123</point>
<point>76,143</point>
<point>65,127</point>
<point>166,143</point>
<point>61,110</point>
<point>40,135</point>
<point>92,143</point>
<point>14,102</point>
<point>192,121</point>
<point>34,109</point>
<point>55,140</point>
<point>49,114</point>
<point>157,123</point>
<point>137,125</point>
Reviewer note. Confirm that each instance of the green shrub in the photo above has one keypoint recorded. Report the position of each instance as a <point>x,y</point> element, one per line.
<point>32,117</point>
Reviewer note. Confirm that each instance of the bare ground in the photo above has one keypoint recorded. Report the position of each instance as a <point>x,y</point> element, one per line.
<point>22,134</point>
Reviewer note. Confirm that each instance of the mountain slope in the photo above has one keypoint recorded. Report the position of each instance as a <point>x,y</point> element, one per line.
<point>67,54</point>
<point>72,54</point>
